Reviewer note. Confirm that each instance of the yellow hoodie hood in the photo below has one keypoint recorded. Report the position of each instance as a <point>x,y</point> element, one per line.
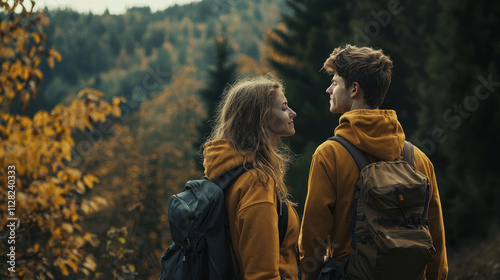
<point>220,157</point>
<point>377,132</point>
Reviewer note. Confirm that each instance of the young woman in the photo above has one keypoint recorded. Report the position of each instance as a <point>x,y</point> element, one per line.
<point>252,117</point>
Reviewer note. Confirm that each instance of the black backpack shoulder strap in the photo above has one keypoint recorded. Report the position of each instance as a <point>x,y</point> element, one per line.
<point>224,181</point>
<point>282,209</point>
<point>227,178</point>
<point>359,156</point>
<point>407,152</point>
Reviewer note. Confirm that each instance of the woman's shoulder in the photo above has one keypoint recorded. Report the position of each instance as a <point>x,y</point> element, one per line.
<point>255,179</point>
<point>253,186</point>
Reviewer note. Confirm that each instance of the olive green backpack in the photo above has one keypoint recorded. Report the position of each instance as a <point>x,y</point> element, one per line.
<point>389,224</point>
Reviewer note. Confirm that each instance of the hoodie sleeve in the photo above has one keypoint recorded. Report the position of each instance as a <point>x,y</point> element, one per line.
<point>256,224</point>
<point>437,269</point>
<point>317,221</point>
<point>259,241</point>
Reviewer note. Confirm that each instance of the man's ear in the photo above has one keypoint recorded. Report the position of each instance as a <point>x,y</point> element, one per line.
<point>355,90</point>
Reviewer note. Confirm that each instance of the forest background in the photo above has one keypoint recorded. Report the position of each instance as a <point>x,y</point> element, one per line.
<point>102,117</point>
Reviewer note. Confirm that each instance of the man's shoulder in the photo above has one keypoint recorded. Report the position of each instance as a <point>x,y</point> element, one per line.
<point>327,148</point>
<point>421,161</point>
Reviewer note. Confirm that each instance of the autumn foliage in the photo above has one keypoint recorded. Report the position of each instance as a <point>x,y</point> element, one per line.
<point>148,158</point>
<point>50,196</point>
<point>22,49</point>
<point>50,202</point>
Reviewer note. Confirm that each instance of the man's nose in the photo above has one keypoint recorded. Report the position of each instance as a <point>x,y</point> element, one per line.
<point>329,90</point>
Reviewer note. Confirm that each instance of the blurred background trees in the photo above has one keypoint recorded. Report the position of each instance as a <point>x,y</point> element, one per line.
<point>49,197</point>
<point>95,167</point>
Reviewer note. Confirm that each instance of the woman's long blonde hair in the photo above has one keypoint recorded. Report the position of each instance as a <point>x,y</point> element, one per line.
<point>242,119</point>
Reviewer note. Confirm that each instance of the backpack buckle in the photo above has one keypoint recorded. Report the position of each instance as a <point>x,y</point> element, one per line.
<point>366,239</point>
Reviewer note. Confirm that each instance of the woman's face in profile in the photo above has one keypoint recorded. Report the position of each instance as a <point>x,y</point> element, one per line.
<point>281,121</point>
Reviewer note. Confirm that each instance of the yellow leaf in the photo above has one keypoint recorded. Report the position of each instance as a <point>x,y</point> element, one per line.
<point>36,247</point>
<point>19,86</point>
<point>131,267</point>
<point>73,265</point>
<point>67,227</point>
<point>74,174</point>
<point>78,227</point>
<point>25,121</point>
<point>61,175</point>
<point>51,62</point>
<point>91,92</point>
<point>80,187</point>
<point>62,267</point>
<point>73,256</point>
<point>100,200</point>
<point>36,37</point>
<point>88,237</point>
<point>90,263</point>
<point>9,93</point>
<point>86,209</point>
<point>56,54</point>
<point>25,72</point>
<point>56,234</point>
<point>36,61</point>
<point>85,271</point>
<point>38,73</point>
<point>32,51</point>
<point>122,240</point>
<point>118,100</point>
<point>89,180</point>
<point>40,118</point>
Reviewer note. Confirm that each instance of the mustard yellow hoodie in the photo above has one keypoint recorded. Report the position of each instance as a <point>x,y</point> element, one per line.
<point>253,218</point>
<point>333,173</point>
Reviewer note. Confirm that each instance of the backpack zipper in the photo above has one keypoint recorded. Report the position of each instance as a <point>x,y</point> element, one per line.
<point>383,235</point>
<point>185,219</point>
<point>399,192</point>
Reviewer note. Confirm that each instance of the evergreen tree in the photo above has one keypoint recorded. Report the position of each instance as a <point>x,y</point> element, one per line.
<point>220,76</point>
<point>313,29</point>
<point>460,112</point>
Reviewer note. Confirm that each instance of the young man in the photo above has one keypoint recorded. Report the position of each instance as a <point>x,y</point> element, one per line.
<point>360,82</point>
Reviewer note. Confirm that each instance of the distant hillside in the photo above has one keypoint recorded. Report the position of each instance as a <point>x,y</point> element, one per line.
<point>119,53</point>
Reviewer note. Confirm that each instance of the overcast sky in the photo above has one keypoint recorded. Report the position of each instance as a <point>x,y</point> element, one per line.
<point>114,6</point>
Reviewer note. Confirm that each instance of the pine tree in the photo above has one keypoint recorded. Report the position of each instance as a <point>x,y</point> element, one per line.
<point>460,116</point>
<point>220,76</point>
<point>312,29</point>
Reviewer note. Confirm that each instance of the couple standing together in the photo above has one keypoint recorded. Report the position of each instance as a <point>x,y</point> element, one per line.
<point>252,117</point>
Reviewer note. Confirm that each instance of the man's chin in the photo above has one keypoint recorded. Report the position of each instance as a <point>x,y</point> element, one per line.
<point>337,111</point>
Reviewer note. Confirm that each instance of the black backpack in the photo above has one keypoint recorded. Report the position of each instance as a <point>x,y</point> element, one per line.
<point>202,247</point>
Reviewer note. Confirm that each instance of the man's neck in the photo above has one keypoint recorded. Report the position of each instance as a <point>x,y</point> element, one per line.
<point>360,106</point>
